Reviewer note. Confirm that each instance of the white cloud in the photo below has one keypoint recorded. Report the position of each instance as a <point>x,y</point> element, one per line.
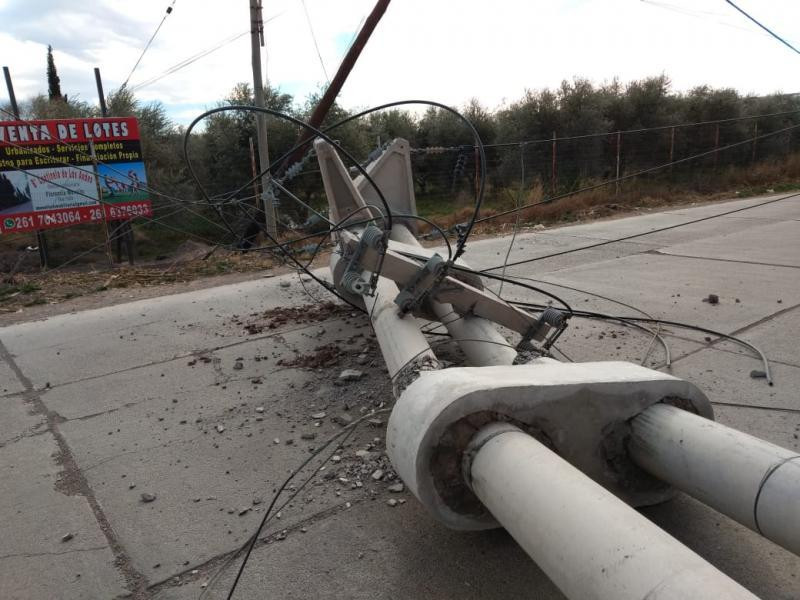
<point>439,50</point>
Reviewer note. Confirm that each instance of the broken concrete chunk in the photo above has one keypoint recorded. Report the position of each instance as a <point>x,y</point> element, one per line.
<point>147,497</point>
<point>350,375</point>
<point>343,419</point>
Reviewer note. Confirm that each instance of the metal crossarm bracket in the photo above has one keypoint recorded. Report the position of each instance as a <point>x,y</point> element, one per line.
<point>422,285</point>
<point>352,280</point>
<point>551,324</point>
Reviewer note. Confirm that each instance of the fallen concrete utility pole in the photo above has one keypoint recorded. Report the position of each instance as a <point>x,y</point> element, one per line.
<point>752,481</point>
<point>557,453</point>
<point>611,550</point>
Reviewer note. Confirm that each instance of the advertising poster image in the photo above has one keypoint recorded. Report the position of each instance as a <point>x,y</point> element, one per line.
<point>47,173</point>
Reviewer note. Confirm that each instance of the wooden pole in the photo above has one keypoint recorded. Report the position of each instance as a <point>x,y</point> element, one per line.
<point>41,239</point>
<point>123,233</point>
<point>93,154</point>
<point>256,43</point>
<point>553,170</point>
<point>11,96</point>
<point>100,95</point>
<point>335,86</point>
<point>619,146</point>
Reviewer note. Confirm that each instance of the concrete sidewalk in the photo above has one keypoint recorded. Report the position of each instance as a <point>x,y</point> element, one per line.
<point>140,443</point>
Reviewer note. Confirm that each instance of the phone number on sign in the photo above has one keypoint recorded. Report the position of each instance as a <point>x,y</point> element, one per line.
<point>126,211</point>
<point>51,219</point>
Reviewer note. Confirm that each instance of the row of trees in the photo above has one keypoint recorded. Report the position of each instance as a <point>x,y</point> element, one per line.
<point>220,150</point>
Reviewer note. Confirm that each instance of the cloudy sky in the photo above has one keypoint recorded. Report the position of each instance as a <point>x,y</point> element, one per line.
<point>435,49</point>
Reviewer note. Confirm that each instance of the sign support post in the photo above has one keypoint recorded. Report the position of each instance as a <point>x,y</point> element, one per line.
<point>123,234</point>
<point>41,240</point>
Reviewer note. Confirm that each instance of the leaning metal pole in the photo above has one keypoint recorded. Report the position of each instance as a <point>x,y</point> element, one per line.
<point>752,481</point>
<point>590,544</point>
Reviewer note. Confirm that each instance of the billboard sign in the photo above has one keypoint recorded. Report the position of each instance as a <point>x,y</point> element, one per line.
<point>48,178</point>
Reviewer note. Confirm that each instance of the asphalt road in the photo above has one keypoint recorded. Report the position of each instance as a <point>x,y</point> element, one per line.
<point>140,443</point>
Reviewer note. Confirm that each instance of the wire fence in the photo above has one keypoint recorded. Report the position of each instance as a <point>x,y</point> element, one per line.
<point>563,164</point>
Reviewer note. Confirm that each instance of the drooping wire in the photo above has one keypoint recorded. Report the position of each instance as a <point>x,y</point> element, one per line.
<point>147,46</point>
<point>248,546</point>
<point>314,38</point>
<point>298,122</point>
<point>603,316</point>
<point>480,191</point>
<point>188,61</point>
<point>519,214</point>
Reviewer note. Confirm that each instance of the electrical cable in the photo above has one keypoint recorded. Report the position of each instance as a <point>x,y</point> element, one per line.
<point>638,173</point>
<point>150,41</point>
<point>187,61</point>
<point>248,546</point>
<point>519,214</point>
<point>314,38</point>
<point>656,334</point>
<point>642,234</point>
<point>480,191</point>
<point>569,138</point>
<point>293,120</point>
<point>764,27</point>
<point>603,316</point>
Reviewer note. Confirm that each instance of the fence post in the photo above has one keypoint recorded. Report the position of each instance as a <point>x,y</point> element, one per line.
<point>477,168</point>
<point>553,171</point>
<point>755,135</point>
<point>671,148</point>
<point>619,146</point>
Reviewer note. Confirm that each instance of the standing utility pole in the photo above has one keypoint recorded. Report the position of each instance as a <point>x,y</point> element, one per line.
<point>256,43</point>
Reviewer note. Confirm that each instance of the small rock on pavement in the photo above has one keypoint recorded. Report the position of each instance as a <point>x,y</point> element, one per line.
<point>259,409</point>
<point>366,455</point>
<point>351,375</point>
<point>756,374</point>
<point>343,419</point>
<point>396,488</point>
<point>67,537</point>
<point>237,366</point>
<point>391,502</point>
<point>244,511</point>
<point>220,428</point>
<point>285,284</point>
<point>377,474</point>
<point>318,415</point>
<point>308,436</point>
<point>711,299</point>
<point>147,497</point>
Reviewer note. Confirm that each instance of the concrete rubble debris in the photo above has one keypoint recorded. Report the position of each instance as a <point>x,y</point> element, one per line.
<point>147,497</point>
<point>351,375</point>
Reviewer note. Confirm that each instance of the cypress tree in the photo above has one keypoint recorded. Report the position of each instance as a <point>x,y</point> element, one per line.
<point>53,80</point>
